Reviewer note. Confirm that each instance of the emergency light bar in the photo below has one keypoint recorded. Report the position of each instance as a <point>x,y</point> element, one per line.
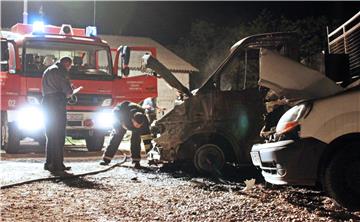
<point>38,27</point>
<point>91,31</point>
<point>66,30</point>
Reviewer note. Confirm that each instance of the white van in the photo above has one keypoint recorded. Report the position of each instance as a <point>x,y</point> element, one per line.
<point>317,141</point>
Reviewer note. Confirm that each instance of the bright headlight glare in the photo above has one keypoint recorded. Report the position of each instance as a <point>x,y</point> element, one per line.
<point>30,118</point>
<point>106,102</point>
<point>33,100</point>
<point>291,118</point>
<point>105,119</point>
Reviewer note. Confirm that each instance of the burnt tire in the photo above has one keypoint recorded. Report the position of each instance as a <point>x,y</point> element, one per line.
<point>209,159</point>
<point>95,142</point>
<point>12,145</point>
<point>342,176</point>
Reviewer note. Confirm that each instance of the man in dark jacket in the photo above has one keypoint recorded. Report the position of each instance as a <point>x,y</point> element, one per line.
<point>129,116</point>
<point>56,88</point>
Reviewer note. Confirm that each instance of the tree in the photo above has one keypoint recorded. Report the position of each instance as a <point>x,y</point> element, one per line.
<point>207,43</point>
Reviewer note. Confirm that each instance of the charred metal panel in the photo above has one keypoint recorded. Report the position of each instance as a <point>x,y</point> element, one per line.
<point>240,115</point>
<point>228,106</point>
<point>235,115</point>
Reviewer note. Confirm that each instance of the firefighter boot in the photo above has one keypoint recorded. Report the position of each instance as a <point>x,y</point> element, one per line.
<point>46,167</point>
<point>105,162</point>
<point>136,164</point>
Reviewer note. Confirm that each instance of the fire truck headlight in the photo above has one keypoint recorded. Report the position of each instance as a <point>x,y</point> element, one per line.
<point>105,119</point>
<point>106,102</point>
<point>38,27</point>
<point>30,118</point>
<point>33,100</point>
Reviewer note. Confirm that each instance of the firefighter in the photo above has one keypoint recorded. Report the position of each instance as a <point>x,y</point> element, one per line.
<point>129,116</point>
<point>56,88</point>
<point>151,107</point>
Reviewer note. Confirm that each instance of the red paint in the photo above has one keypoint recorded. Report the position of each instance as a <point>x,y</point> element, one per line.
<point>15,87</point>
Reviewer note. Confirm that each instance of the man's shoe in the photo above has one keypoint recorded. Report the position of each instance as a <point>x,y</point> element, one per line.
<point>105,162</point>
<point>66,167</point>
<point>137,165</point>
<point>61,173</point>
<point>46,167</point>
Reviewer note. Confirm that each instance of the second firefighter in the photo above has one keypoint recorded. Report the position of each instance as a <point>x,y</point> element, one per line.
<point>129,116</point>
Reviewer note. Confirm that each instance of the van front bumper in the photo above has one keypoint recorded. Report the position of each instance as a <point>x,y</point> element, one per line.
<point>290,161</point>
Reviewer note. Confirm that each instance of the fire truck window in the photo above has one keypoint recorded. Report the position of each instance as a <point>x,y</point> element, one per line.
<point>29,62</point>
<point>241,72</point>
<point>48,61</point>
<point>103,64</point>
<point>88,60</point>
<point>12,58</point>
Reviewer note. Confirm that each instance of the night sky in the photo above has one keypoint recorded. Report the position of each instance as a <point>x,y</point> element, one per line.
<point>165,22</point>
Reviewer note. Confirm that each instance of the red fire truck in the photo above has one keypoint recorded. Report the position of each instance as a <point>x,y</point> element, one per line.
<point>27,50</point>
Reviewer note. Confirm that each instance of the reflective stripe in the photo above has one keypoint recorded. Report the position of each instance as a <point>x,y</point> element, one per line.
<point>146,137</point>
<point>123,126</point>
<point>107,158</point>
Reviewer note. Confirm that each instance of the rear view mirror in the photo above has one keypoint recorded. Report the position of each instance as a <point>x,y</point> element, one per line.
<point>125,59</point>
<point>122,54</point>
<point>4,55</point>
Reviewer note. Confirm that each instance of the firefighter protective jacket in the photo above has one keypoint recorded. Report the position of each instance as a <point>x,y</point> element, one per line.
<point>124,113</point>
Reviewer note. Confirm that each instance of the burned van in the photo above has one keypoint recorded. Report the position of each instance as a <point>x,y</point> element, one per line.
<point>220,121</point>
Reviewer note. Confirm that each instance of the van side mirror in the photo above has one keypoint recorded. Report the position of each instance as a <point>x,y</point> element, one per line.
<point>122,54</point>
<point>4,55</point>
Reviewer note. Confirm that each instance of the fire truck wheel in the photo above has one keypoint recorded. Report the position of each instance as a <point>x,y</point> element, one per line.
<point>209,158</point>
<point>95,142</point>
<point>341,179</point>
<point>13,143</point>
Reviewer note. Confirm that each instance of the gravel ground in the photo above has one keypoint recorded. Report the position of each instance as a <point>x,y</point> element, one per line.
<point>160,194</point>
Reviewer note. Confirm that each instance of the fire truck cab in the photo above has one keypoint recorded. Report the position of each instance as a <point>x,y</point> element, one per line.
<point>27,51</point>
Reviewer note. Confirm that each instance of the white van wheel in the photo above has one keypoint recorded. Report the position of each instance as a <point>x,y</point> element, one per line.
<point>342,176</point>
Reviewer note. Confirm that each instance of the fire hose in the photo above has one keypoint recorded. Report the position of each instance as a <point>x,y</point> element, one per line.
<point>70,176</point>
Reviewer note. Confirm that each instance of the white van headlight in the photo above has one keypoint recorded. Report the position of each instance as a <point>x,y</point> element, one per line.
<point>290,120</point>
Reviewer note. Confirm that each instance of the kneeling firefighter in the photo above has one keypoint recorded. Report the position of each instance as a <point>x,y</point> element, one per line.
<point>129,116</point>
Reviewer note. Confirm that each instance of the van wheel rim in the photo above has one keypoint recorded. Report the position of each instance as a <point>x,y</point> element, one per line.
<point>209,158</point>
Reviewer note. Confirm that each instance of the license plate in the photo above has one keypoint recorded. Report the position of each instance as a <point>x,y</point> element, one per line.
<point>74,117</point>
<point>255,157</point>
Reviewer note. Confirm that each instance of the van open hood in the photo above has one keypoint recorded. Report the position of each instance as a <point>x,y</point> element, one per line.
<point>150,62</point>
<point>293,80</point>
